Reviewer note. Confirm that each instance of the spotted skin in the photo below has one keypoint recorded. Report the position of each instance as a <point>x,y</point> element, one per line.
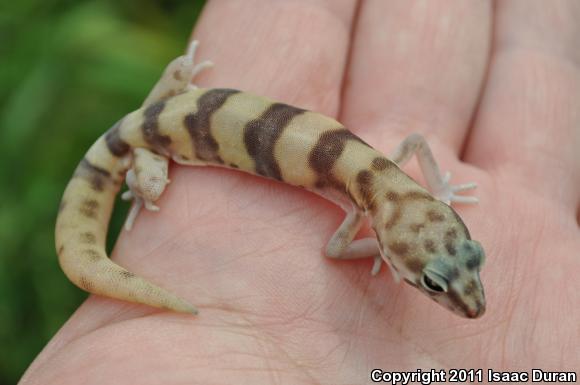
<point>420,237</point>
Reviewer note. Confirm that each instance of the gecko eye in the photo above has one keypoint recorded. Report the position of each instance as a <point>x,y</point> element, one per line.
<point>431,285</point>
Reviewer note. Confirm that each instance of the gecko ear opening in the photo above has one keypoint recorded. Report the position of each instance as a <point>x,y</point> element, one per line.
<point>434,282</point>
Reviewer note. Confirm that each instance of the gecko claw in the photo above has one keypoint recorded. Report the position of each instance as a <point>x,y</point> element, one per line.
<point>150,206</point>
<point>376,265</point>
<point>127,195</point>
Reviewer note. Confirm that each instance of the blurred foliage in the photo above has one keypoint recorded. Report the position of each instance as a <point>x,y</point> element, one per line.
<point>70,69</point>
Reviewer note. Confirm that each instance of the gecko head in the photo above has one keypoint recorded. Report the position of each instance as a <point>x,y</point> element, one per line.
<point>430,248</point>
<point>455,283</point>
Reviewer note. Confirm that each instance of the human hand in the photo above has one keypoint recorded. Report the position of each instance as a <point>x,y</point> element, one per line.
<point>495,90</point>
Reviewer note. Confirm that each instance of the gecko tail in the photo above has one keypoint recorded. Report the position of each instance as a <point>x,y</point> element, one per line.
<point>93,271</point>
<point>81,231</point>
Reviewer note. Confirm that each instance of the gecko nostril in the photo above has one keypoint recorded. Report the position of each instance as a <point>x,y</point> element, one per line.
<point>477,311</point>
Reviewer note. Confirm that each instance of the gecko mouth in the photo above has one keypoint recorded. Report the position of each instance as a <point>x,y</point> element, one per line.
<point>463,310</point>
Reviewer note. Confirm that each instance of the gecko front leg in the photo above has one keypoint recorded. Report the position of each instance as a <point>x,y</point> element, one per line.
<point>342,244</point>
<point>178,75</point>
<point>146,179</point>
<point>438,184</point>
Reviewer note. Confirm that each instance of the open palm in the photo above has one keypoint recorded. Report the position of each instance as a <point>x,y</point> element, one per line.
<point>495,88</point>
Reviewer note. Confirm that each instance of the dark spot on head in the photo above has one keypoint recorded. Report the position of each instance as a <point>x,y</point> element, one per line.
<point>450,237</point>
<point>379,163</point>
<point>416,227</point>
<point>414,264</point>
<point>462,226</point>
<point>451,234</point>
<point>198,124</point>
<point>450,247</point>
<point>452,274</point>
<point>470,288</point>
<point>88,237</point>
<point>93,255</point>
<point>89,208</point>
<point>233,165</point>
<point>60,249</point>
<point>399,248</point>
<point>177,75</point>
<point>434,216</point>
<point>61,206</point>
<point>115,144</point>
<point>430,246</point>
<point>127,274</point>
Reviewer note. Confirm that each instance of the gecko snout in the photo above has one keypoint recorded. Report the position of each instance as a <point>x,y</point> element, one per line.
<point>476,311</point>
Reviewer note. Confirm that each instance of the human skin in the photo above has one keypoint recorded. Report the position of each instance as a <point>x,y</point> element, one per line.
<point>495,88</point>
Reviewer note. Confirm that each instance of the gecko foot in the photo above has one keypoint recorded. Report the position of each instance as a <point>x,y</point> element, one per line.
<point>188,66</point>
<point>146,190</point>
<point>446,192</point>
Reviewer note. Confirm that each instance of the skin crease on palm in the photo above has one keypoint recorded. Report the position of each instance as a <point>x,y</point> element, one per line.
<point>495,88</point>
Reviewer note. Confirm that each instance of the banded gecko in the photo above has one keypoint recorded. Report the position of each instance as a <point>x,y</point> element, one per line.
<point>418,234</point>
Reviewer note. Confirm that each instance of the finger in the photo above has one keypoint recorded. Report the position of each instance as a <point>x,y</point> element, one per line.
<point>417,66</point>
<point>288,50</point>
<point>529,121</point>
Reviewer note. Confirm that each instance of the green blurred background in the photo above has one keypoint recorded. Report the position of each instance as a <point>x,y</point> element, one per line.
<point>69,70</point>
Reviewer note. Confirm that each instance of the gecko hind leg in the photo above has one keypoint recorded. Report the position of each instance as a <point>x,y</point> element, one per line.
<point>146,179</point>
<point>178,75</point>
<point>438,184</point>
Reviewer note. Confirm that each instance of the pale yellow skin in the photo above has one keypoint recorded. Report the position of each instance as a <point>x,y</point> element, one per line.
<point>419,236</point>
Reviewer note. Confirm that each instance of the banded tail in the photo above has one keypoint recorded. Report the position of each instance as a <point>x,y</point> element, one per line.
<point>82,224</point>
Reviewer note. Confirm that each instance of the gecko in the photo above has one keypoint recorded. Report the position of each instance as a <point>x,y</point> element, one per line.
<point>419,236</point>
